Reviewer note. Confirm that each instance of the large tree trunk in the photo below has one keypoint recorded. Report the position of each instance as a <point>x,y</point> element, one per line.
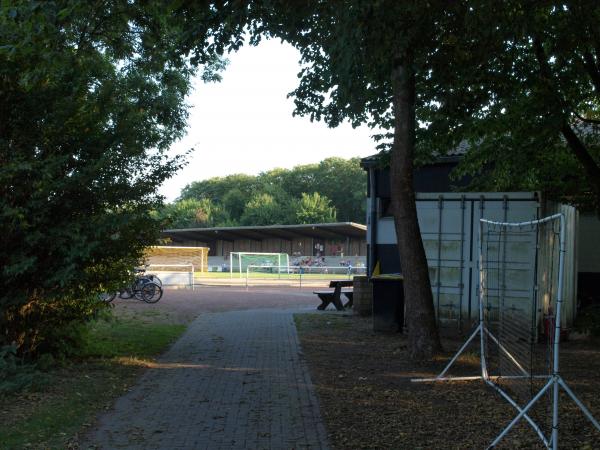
<point>423,335</point>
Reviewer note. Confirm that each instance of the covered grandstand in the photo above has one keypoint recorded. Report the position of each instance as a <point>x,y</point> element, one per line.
<point>334,241</point>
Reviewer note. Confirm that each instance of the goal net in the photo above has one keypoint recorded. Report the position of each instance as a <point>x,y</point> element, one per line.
<point>269,262</point>
<point>519,283</point>
<point>520,298</point>
<point>308,276</point>
<point>176,265</point>
<point>172,274</point>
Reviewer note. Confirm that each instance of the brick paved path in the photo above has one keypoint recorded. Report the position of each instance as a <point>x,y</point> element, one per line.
<point>234,380</point>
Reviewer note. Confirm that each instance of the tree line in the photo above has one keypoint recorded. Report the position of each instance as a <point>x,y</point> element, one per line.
<point>329,191</point>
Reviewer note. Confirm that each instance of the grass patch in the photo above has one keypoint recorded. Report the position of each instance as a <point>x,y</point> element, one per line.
<point>130,337</point>
<point>74,392</point>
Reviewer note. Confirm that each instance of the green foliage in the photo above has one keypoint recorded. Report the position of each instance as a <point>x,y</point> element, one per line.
<point>51,325</point>
<point>314,208</point>
<point>264,209</point>
<point>16,375</point>
<point>92,98</point>
<point>516,85</point>
<point>274,196</point>
<point>234,202</point>
<point>191,213</point>
<point>537,81</point>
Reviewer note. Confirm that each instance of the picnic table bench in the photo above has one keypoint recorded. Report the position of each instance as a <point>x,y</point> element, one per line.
<point>339,287</point>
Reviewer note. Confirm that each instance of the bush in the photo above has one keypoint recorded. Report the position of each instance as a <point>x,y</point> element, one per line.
<point>54,327</point>
<point>15,375</point>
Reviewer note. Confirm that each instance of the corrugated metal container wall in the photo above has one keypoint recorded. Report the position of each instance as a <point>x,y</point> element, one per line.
<point>449,225</point>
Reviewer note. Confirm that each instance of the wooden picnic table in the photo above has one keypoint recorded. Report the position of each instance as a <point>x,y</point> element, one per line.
<point>339,287</point>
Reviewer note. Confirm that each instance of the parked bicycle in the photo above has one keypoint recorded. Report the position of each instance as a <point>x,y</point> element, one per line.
<point>147,288</point>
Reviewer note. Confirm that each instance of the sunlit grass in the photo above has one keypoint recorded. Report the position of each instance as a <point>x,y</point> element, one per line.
<point>113,355</point>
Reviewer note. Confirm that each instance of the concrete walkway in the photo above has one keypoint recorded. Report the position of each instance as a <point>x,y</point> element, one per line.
<point>235,380</point>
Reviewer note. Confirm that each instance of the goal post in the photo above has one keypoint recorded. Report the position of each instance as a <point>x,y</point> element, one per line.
<point>521,270</point>
<point>239,261</point>
<point>173,274</point>
<point>178,263</point>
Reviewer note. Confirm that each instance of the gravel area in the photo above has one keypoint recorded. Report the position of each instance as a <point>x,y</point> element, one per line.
<point>184,305</point>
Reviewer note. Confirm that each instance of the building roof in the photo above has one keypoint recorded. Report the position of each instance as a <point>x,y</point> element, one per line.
<point>339,230</point>
<point>451,156</point>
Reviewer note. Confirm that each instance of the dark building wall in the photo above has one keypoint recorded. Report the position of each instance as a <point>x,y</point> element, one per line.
<point>299,246</point>
<point>429,178</point>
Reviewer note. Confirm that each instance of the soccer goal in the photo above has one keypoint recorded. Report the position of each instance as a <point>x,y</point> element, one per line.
<point>173,274</point>
<point>177,265</point>
<point>521,269</point>
<point>301,276</point>
<point>268,262</point>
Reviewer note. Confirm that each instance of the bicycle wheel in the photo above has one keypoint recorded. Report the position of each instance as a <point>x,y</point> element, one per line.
<point>151,292</point>
<point>139,284</point>
<point>126,293</point>
<point>106,297</point>
<point>155,279</point>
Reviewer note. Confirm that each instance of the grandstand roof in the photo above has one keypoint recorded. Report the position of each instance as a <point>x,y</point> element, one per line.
<point>339,230</point>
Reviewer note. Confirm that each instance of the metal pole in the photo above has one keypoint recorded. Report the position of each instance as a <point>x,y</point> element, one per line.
<point>439,260</point>
<point>586,411</point>
<point>461,283</point>
<point>506,397</point>
<point>484,372</point>
<point>557,326</point>
<point>522,413</point>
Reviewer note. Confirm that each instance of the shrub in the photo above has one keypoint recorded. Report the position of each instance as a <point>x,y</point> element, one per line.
<point>49,326</point>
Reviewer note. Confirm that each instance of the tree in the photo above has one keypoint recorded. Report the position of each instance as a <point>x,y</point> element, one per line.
<point>263,209</point>
<point>314,208</point>
<point>342,181</point>
<point>361,63</point>
<point>234,202</point>
<point>216,188</point>
<point>192,213</point>
<point>91,100</point>
<point>523,93</point>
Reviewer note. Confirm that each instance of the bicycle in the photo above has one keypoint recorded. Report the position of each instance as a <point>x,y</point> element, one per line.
<point>143,287</point>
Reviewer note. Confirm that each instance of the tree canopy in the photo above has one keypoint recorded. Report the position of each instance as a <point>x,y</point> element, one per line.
<point>92,98</point>
<point>334,189</point>
<point>515,84</point>
<point>519,86</point>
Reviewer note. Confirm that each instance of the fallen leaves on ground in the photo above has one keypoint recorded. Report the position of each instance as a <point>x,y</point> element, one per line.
<point>368,401</point>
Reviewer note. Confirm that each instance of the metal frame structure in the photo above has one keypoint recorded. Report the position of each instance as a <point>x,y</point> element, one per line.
<point>177,255</point>
<point>300,273</point>
<point>167,278</point>
<point>279,255</point>
<point>554,380</point>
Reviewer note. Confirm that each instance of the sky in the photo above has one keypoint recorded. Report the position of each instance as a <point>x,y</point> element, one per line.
<point>244,123</point>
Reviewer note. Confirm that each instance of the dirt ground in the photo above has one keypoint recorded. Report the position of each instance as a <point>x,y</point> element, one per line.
<point>184,305</point>
<point>368,401</point>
